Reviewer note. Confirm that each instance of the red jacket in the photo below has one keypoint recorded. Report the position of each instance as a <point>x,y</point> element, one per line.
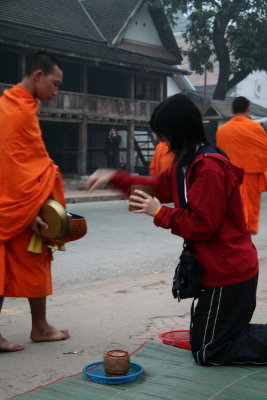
<point>214,222</point>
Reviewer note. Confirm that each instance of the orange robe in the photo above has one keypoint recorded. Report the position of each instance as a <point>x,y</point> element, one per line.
<point>245,142</point>
<point>161,160</point>
<point>27,178</point>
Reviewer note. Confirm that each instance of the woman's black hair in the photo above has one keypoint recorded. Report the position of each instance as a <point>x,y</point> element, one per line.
<point>179,120</point>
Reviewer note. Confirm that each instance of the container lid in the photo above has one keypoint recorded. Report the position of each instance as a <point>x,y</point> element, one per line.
<point>56,217</point>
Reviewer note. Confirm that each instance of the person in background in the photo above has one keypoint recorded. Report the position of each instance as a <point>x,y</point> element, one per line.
<point>112,149</point>
<point>208,214</point>
<point>245,142</point>
<point>28,178</point>
<point>161,159</point>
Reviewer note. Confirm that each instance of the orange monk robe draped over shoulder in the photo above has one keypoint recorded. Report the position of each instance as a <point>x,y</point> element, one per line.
<point>161,160</point>
<point>27,174</point>
<point>245,142</point>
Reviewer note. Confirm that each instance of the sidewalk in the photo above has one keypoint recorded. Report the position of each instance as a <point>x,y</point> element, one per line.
<point>73,195</point>
<point>122,313</point>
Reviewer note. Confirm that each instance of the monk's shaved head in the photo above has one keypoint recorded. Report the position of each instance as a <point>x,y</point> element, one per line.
<point>240,105</point>
<point>41,60</point>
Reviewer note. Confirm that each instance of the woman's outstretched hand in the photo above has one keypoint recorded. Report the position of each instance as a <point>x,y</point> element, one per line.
<point>145,203</point>
<point>100,177</point>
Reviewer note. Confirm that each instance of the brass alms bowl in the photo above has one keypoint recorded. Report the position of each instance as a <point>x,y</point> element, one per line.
<point>62,226</point>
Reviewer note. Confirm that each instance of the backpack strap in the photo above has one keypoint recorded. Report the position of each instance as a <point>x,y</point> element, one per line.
<point>181,174</point>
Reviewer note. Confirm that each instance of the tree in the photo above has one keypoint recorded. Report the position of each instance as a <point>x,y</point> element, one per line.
<point>231,32</point>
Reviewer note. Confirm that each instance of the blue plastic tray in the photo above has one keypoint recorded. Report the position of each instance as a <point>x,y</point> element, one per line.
<point>96,373</point>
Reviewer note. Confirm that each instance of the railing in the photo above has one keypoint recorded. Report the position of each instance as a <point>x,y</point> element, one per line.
<point>97,107</point>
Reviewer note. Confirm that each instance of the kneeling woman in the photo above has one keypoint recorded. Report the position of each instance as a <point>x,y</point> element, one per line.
<point>208,213</point>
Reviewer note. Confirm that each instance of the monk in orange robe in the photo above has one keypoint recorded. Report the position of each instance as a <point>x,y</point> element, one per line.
<point>245,142</point>
<point>161,159</point>
<point>28,177</point>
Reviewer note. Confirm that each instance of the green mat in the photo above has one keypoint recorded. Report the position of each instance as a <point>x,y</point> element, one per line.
<point>170,374</point>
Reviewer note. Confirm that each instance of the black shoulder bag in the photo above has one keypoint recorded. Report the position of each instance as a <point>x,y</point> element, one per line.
<point>187,276</point>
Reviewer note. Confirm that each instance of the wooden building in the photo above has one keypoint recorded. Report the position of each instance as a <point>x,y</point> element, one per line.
<point>116,56</point>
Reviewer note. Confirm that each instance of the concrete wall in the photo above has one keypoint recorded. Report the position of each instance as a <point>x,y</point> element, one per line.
<point>142,29</point>
<point>254,87</point>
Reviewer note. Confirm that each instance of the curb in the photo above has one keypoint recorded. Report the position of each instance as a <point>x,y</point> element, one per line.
<point>87,199</point>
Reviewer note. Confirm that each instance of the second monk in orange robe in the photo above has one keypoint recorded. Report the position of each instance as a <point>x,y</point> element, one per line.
<point>245,142</point>
<point>161,160</point>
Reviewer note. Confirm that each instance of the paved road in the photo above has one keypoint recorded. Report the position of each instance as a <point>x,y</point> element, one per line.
<point>118,243</point>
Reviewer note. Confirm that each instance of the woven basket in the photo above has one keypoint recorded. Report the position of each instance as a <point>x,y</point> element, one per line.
<point>116,363</point>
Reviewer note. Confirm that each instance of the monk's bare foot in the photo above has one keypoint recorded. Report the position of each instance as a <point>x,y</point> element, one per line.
<point>50,334</point>
<point>5,345</point>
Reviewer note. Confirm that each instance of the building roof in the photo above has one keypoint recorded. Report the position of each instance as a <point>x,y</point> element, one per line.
<point>60,16</point>
<point>165,32</point>
<point>196,79</point>
<point>222,110</point>
<point>115,16</point>
<point>86,29</point>
<point>82,50</point>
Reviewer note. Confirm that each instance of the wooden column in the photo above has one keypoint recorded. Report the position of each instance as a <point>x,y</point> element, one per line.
<point>130,134</point>
<point>162,87</point>
<point>132,89</point>
<point>22,63</point>
<point>130,147</point>
<point>82,155</point>
<point>84,79</point>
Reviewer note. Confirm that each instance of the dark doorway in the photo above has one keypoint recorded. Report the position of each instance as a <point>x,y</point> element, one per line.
<point>62,143</point>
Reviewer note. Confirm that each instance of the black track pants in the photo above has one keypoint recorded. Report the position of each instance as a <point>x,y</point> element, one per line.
<point>221,332</point>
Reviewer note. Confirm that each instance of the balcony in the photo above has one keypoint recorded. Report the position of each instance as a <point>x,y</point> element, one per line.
<point>95,108</point>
